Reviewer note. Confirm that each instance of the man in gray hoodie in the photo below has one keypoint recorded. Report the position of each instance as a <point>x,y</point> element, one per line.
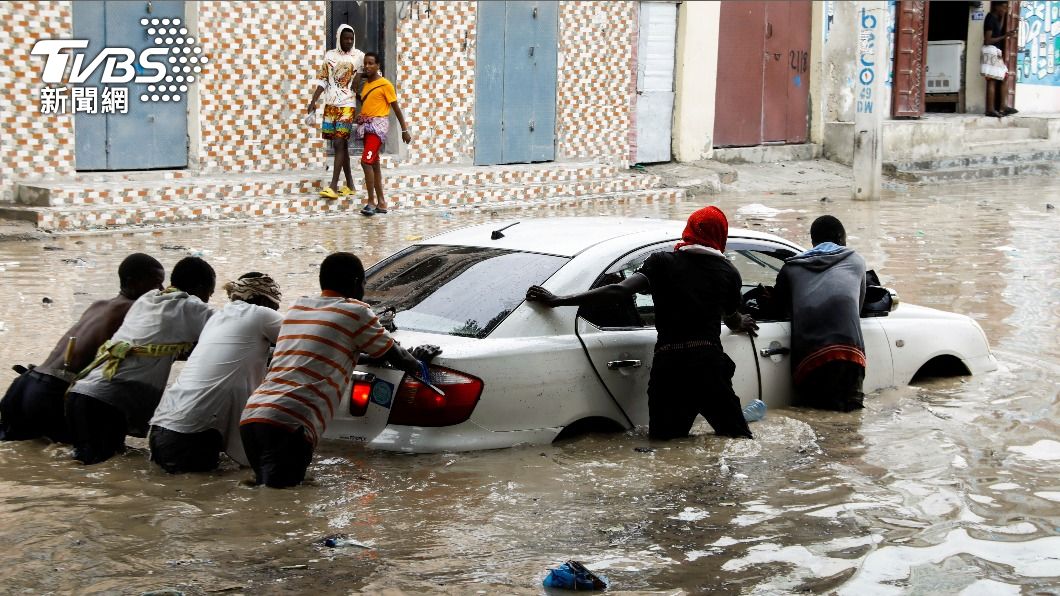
<point>823,289</point>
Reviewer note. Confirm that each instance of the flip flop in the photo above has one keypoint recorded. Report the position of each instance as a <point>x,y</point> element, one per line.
<point>380,210</point>
<point>368,211</point>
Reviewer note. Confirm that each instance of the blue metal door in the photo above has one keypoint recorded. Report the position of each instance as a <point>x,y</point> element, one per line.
<point>515,113</point>
<point>152,134</point>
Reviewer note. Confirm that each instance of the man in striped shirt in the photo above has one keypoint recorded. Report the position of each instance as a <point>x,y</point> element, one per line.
<point>317,350</point>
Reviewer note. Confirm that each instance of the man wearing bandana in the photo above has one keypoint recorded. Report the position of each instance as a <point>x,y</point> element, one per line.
<point>695,288</point>
<point>198,416</point>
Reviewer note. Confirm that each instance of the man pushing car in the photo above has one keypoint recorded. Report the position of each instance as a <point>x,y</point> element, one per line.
<point>695,289</point>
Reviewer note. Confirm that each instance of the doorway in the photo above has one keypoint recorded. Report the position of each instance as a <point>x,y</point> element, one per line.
<point>656,52</point>
<point>515,91</point>
<point>947,57</point>
<point>763,73</point>
<point>915,30</point>
<point>367,20</point>
<point>152,134</point>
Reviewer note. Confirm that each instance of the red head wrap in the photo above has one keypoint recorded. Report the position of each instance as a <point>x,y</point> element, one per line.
<point>706,227</point>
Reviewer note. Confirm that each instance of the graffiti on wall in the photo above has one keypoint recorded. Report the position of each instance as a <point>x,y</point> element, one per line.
<point>1038,61</point>
<point>867,24</point>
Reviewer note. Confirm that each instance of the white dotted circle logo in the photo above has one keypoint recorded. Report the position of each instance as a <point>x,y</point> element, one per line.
<point>185,57</point>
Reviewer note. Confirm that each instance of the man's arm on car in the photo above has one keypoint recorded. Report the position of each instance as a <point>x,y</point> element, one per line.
<point>634,284</point>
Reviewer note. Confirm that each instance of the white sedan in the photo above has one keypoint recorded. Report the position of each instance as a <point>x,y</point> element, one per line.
<point>513,372</point>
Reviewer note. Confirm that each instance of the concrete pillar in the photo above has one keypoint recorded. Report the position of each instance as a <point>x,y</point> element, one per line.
<point>869,105</point>
<point>817,61</point>
<point>695,80</point>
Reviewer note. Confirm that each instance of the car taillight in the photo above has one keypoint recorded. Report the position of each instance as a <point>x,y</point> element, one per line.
<point>416,404</point>
<point>359,395</point>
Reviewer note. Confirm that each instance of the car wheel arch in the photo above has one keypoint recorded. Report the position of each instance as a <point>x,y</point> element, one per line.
<point>941,366</point>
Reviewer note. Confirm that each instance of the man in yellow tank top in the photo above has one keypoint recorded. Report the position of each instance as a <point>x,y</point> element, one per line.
<point>378,97</point>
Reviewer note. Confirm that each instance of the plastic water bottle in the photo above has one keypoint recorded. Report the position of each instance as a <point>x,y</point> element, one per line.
<point>755,411</point>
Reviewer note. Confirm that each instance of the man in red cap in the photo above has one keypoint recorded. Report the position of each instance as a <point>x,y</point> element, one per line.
<point>695,288</point>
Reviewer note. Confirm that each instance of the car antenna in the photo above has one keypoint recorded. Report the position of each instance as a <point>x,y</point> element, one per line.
<point>498,234</point>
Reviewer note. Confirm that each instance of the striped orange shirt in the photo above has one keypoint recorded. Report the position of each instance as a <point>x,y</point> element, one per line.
<point>317,350</point>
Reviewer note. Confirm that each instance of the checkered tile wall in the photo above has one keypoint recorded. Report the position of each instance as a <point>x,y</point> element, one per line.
<point>435,79</point>
<point>264,53</point>
<point>32,145</point>
<point>254,92</point>
<point>596,53</point>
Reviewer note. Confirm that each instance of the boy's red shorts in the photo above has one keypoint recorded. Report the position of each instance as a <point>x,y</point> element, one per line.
<point>371,149</point>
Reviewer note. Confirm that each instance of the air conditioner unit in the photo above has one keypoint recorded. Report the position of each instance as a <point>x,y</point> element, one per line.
<point>944,66</point>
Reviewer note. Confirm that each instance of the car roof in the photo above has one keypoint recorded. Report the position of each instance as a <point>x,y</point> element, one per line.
<point>569,236</point>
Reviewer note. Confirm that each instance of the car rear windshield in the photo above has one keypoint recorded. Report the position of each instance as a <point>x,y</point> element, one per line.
<point>455,290</point>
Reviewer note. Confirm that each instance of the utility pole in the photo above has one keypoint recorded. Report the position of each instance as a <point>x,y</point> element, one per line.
<point>871,70</point>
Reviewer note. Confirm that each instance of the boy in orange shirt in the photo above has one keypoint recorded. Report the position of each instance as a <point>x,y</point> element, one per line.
<point>377,99</point>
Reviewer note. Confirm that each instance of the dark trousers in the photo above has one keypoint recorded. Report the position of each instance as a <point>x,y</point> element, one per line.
<point>685,383</point>
<point>279,456</point>
<point>178,452</point>
<point>33,407</point>
<point>98,428</point>
<point>834,385</point>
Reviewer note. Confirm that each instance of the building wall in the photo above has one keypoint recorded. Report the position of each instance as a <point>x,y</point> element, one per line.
<point>594,110</point>
<point>435,80</point>
<point>696,77</point>
<point>253,95</point>
<point>246,109</point>
<point>32,145</point>
<point>1038,61</point>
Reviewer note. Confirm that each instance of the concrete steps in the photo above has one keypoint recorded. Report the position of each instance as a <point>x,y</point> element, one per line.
<point>206,188</point>
<point>140,200</point>
<point>997,134</point>
<point>85,218</point>
<point>1044,161</point>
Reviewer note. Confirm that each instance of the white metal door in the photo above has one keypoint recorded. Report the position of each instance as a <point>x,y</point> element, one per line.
<point>655,80</point>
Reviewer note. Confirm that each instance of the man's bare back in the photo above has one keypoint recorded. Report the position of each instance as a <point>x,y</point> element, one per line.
<point>96,325</point>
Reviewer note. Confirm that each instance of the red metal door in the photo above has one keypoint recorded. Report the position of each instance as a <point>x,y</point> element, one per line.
<point>1012,23</point>
<point>775,77</point>
<point>763,73</point>
<point>910,58</point>
<point>738,103</point>
<point>797,65</point>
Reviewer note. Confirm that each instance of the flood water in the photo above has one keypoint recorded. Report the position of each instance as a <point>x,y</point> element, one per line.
<point>951,487</point>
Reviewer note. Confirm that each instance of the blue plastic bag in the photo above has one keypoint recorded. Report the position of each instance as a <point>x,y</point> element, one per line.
<point>572,575</point>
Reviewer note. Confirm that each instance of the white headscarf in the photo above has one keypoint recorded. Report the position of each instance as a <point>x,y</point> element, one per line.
<point>336,73</point>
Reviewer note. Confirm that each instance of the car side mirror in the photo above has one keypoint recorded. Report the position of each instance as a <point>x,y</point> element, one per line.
<point>879,301</point>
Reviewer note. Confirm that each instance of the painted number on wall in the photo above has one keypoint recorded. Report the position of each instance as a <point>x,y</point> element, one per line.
<point>799,60</point>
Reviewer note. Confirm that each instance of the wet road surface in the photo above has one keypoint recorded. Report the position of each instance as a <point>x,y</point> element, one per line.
<point>952,486</point>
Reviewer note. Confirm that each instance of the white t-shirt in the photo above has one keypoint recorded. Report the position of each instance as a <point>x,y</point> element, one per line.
<point>227,366</point>
<point>155,318</point>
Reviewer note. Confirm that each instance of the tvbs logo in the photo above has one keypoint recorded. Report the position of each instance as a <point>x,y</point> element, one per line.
<point>175,60</point>
<point>120,65</point>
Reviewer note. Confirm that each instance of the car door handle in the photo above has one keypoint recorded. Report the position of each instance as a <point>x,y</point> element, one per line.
<point>774,351</point>
<point>617,364</point>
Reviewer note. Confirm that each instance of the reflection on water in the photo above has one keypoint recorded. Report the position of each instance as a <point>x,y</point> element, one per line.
<point>949,487</point>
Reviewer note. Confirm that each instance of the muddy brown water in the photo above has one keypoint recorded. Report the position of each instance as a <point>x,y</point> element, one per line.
<point>950,487</point>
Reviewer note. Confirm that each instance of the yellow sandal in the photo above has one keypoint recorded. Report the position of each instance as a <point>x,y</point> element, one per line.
<point>329,193</point>
<point>345,191</point>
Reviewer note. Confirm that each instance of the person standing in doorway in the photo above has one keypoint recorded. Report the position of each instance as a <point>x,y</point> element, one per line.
<point>336,80</point>
<point>993,64</point>
<point>378,97</point>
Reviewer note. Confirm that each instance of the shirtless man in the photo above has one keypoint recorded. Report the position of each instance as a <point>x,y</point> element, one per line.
<point>33,405</point>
